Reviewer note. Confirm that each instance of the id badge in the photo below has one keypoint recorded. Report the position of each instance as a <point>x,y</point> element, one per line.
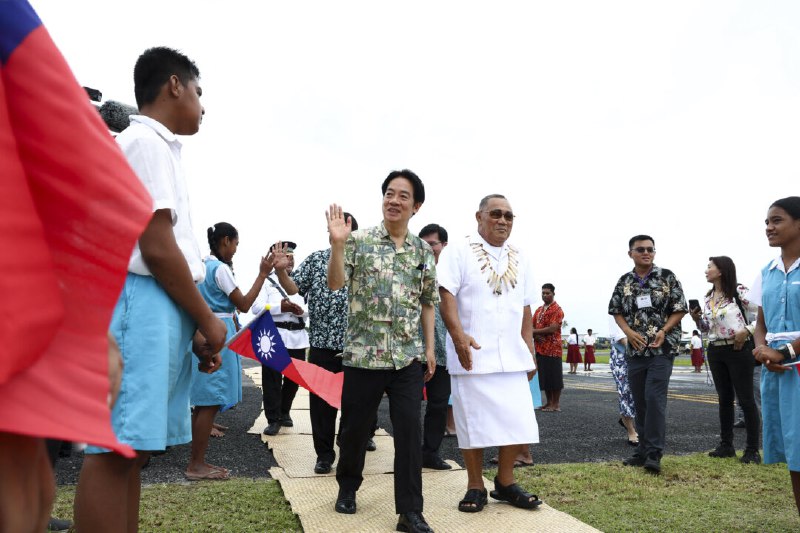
<point>643,301</point>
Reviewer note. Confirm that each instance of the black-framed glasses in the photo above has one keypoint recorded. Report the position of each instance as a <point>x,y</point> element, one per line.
<point>643,249</point>
<point>433,243</point>
<point>496,214</point>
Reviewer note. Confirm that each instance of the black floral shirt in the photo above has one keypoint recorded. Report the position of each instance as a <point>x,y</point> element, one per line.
<point>327,309</point>
<point>664,294</point>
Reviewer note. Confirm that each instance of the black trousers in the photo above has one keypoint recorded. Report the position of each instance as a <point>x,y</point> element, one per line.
<point>323,416</point>
<point>279,392</point>
<point>361,396</point>
<point>438,392</point>
<point>733,377</point>
<point>649,381</point>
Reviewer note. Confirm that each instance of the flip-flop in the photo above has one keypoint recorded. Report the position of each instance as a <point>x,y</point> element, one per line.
<point>449,433</point>
<point>494,461</point>
<point>522,464</point>
<point>220,427</point>
<point>212,475</point>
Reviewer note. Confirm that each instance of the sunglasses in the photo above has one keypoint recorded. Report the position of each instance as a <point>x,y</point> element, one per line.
<point>643,249</point>
<point>497,214</point>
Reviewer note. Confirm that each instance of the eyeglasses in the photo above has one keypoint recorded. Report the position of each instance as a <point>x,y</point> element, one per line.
<point>496,214</point>
<point>433,243</point>
<point>643,249</point>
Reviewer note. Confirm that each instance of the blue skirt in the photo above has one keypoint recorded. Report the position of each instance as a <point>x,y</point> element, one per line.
<point>223,387</point>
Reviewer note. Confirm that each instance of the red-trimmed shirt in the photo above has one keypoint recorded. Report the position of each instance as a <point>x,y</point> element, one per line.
<point>550,344</point>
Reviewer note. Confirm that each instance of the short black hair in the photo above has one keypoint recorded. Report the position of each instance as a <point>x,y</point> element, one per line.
<point>354,223</point>
<point>790,204</point>
<point>416,183</point>
<point>440,232</point>
<point>153,69</point>
<point>640,238</point>
<point>549,286</point>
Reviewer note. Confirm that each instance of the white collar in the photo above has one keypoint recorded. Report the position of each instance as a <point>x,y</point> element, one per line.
<point>490,248</point>
<point>778,263</point>
<point>158,127</point>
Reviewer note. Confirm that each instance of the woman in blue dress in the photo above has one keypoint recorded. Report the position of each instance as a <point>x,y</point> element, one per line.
<point>777,336</point>
<point>222,389</point>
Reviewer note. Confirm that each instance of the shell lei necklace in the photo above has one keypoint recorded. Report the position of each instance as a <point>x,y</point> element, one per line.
<point>496,281</point>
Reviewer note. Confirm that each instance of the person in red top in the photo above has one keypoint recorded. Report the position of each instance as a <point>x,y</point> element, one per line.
<point>547,340</point>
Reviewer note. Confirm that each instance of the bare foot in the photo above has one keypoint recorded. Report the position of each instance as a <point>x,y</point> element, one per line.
<point>206,471</point>
<point>217,433</point>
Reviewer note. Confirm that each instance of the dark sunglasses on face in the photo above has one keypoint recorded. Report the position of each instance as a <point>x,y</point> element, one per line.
<point>643,249</point>
<point>496,214</point>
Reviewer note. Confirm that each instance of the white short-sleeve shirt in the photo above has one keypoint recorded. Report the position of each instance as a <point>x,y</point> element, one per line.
<point>493,320</point>
<point>154,153</point>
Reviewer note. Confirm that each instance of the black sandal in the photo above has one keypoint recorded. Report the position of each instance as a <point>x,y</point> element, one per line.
<point>514,495</point>
<point>473,501</point>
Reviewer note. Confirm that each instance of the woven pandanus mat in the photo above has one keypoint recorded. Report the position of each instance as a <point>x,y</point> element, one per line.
<point>312,499</point>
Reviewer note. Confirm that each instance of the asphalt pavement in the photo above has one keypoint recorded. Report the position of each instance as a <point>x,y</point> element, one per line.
<point>586,429</point>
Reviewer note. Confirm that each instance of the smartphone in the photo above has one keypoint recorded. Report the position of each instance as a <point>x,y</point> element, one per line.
<point>694,304</point>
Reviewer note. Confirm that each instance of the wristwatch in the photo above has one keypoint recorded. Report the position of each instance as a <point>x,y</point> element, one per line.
<point>787,350</point>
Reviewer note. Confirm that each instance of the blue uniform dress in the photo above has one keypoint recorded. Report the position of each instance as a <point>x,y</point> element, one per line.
<point>780,392</point>
<point>223,387</point>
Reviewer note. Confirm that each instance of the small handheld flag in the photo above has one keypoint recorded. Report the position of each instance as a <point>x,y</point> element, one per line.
<point>260,340</point>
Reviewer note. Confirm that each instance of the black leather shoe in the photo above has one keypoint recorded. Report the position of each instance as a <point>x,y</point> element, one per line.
<point>635,460</point>
<point>371,446</point>
<point>413,522</point>
<point>272,428</point>
<point>322,467</point>
<point>435,462</point>
<point>653,464</point>
<point>723,450</point>
<point>286,421</point>
<point>346,502</point>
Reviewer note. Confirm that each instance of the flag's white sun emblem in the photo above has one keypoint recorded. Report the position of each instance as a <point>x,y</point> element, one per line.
<point>266,344</point>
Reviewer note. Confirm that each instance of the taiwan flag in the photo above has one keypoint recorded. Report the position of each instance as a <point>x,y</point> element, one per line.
<point>260,340</point>
<point>71,209</point>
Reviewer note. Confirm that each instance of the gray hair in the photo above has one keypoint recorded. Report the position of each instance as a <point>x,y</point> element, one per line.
<point>485,200</point>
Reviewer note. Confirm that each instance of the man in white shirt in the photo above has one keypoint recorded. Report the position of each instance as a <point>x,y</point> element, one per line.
<point>289,314</point>
<point>486,290</point>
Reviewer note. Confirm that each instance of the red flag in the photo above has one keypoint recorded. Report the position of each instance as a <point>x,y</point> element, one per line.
<point>72,209</point>
<point>261,341</point>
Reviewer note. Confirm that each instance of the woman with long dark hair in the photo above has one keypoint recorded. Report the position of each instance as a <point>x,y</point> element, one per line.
<point>777,337</point>
<point>730,354</point>
<point>573,351</point>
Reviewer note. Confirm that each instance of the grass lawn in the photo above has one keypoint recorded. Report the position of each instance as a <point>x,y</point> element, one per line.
<point>601,356</point>
<point>694,493</point>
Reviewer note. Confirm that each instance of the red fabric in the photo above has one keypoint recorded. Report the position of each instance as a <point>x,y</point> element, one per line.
<point>589,355</point>
<point>573,354</point>
<point>697,357</point>
<point>549,345</point>
<point>66,247</point>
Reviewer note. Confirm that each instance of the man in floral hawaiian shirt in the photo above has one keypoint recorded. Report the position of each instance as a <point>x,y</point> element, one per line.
<point>391,280</point>
<point>648,305</point>
<point>327,312</point>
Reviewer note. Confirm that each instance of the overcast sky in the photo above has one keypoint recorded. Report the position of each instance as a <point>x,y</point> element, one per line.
<point>597,120</point>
